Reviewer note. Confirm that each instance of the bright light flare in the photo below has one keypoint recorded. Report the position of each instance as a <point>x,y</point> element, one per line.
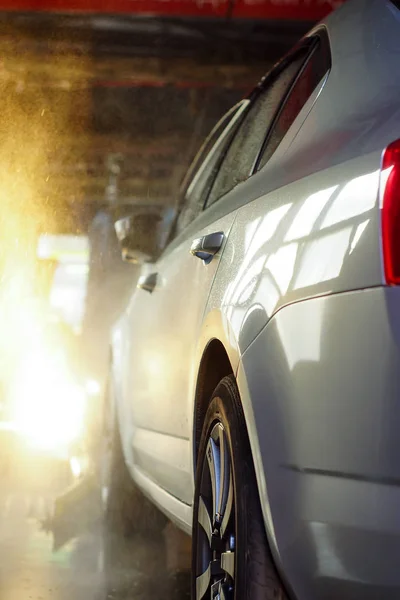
<point>76,466</point>
<point>93,387</point>
<point>49,408</point>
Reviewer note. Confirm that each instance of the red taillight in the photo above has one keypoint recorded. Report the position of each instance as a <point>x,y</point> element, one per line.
<point>390,181</point>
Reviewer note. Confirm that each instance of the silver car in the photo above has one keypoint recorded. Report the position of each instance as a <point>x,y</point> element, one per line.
<point>254,390</point>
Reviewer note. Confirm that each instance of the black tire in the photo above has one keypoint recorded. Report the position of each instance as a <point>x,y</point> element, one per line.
<point>126,510</point>
<point>250,574</point>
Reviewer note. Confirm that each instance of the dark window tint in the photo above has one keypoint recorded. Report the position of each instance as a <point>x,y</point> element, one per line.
<point>246,145</point>
<point>313,72</point>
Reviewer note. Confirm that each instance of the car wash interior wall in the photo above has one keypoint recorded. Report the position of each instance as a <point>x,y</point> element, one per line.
<point>115,108</point>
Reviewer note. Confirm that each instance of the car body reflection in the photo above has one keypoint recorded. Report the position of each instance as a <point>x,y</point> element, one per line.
<point>298,249</point>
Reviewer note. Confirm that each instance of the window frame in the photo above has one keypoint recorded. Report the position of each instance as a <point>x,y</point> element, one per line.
<point>232,119</point>
<point>309,44</point>
<point>199,160</point>
<point>319,39</point>
<point>262,86</point>
<point>261,92</point>
<point>235,122</point>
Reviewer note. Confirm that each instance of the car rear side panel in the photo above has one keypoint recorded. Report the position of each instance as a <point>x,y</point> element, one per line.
<point>324,420</point>
<point>318,236</point>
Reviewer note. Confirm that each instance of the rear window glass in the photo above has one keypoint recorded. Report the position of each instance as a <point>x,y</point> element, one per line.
<point>313,72</point>
<point>246,145</point>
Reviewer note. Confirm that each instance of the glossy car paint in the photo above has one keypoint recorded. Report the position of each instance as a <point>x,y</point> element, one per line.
<point>297,299</point>
<point>323,382</point>
<point>160,376</point>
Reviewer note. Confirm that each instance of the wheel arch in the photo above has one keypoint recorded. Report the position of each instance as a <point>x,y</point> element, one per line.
<point>215,364</point>
<point>221,357</point>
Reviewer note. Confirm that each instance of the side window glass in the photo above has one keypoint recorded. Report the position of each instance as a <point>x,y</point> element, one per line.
<point>315,69</point>
<point>207,146</point>
<point>245,147</point>
<point>206,167</point>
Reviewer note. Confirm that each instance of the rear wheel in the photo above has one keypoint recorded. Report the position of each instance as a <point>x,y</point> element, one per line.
<point>126,510</point>
<point>231,559</point>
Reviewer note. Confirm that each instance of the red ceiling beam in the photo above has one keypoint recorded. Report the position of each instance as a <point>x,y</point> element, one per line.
<point>311,10</point>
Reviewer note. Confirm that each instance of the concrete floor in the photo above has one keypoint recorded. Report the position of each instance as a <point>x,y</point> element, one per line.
<point>89,567</point>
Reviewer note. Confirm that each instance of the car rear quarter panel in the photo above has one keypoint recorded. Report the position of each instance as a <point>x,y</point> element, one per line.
<point>315,237</point>
<point>320,388</point>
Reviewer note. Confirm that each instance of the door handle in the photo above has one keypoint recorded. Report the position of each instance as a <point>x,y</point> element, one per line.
<point>207,246</point>
<point>147,282</point>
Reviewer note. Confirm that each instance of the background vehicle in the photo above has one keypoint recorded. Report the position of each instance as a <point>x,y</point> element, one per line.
<point>254,376</point>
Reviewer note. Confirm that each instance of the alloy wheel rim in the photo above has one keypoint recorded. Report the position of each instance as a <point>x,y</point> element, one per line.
<point>216,523</point>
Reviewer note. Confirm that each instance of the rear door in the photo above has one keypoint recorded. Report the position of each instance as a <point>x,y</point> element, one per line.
<point>163,325</point>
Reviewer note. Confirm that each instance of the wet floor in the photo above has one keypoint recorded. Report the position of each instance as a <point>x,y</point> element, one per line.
<point>92,566</point>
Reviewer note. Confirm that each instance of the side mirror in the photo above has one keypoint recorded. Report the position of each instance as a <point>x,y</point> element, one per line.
<point>139,236</point>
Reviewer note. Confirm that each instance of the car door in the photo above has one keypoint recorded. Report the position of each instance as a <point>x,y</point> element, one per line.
<point>165,326</point>
<point>163,317</point>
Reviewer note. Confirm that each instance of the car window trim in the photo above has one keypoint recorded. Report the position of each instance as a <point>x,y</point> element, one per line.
<point>194,167</point>
<point>316,43</point>
<point>311,49</point>
<point>307,43</point>
<point>250,101</point>
<point>238,109</point>
<point>242,107</point>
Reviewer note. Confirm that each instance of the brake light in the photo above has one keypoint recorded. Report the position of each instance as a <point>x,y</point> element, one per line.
<point>390,190</point>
